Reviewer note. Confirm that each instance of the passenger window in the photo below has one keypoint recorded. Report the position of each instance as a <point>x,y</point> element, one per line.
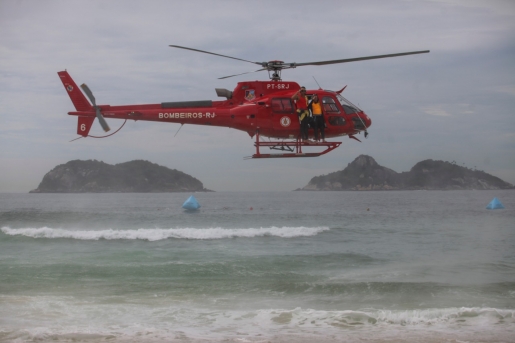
<point>336,121</point>
<point>330,105</point>
<point>282,105</point>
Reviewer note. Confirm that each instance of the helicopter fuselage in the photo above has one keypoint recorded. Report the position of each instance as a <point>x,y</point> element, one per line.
<point>256,107</point>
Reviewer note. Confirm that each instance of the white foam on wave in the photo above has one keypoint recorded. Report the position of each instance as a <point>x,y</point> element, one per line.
<point>162,318</point>
<point>160,234</point>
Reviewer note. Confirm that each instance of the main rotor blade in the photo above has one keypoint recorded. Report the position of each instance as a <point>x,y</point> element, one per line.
<point>101,119</point>
<point>249,72</point>
<point>212,53</point>
<point>360,58</point>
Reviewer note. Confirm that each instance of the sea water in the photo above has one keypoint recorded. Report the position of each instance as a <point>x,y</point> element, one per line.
<point>391,266</point>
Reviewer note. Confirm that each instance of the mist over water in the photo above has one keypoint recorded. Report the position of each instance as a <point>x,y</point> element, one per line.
<point>255,267</point>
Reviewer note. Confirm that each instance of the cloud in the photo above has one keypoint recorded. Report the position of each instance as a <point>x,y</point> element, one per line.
<point>508,89</point>
<point>436,111</point>
<point>455,101</point>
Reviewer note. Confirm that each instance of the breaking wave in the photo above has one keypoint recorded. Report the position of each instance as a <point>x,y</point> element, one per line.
<point>161,234</point>
<point>430,325</point>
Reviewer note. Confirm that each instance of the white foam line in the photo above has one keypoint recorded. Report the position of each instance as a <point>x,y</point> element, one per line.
<point>160,234</point>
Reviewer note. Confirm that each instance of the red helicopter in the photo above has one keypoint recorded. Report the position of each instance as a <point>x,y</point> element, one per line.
<point>260,108</point>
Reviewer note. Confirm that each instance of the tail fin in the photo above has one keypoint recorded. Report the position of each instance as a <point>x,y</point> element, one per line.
<point>84,125</point>
<point>77,97</point>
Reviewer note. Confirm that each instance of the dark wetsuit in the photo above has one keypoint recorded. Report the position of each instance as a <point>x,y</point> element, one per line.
<point>303,113</point>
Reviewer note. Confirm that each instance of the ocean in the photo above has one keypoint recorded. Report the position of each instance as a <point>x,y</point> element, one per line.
<point>390,266</point>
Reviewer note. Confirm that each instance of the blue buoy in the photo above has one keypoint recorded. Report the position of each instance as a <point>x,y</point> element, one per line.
<point>495,204</point>
<point>191,204</point>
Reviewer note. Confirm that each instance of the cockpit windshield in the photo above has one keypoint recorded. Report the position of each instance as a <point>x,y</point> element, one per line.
<point>348,106</point>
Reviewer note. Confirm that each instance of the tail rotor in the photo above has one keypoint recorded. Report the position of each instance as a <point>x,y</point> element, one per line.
<point>91,98</point>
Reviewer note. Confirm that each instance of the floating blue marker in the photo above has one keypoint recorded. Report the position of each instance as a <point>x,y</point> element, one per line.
<point>495,204</point>
<point>191,204</point>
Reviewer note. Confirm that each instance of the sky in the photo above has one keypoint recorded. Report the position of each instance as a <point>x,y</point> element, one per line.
<point>456,103</point>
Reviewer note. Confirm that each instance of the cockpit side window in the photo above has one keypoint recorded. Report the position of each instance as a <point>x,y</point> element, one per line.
<point>348,106</point>
<point>349,109</point>
<point>330,105</point>
<point>282,105</point>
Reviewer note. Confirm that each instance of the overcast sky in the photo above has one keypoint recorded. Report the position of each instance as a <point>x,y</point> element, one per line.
<point>456,103</point>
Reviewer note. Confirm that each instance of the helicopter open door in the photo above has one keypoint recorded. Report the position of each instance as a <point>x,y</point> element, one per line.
<point>285,121</point>
<point>283,115</point>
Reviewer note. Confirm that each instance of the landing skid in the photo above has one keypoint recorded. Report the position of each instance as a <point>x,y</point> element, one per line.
<point>293,148</point>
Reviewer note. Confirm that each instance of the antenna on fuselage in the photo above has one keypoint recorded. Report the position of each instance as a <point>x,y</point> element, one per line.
<point>178,130</point>
<point>317,83</point>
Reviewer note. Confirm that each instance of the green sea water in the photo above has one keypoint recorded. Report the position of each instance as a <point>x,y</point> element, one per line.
<point>257,267</point>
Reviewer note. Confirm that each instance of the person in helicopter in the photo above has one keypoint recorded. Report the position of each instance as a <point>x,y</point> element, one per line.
<point>315,106</point>
<point>301,103</point>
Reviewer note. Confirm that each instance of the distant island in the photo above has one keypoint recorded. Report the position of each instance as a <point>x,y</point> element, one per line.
<point>365,174</point>
<point>137,176</point>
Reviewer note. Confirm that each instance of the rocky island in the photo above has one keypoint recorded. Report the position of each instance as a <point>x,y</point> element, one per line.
<point>138,176</point>
<point>364,173</point>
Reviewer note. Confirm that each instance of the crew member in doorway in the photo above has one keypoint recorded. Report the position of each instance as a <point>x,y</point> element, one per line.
<point>318,118</point>
<point>301,103</point>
